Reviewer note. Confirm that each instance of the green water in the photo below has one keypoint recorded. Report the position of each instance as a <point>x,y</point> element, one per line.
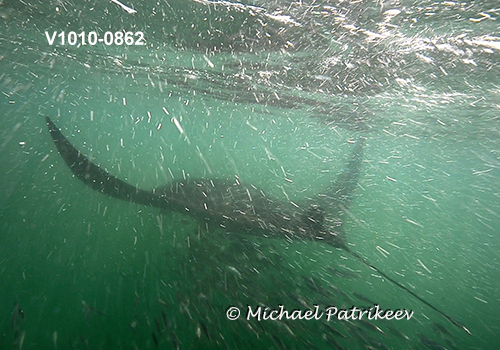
<point>271,93</point>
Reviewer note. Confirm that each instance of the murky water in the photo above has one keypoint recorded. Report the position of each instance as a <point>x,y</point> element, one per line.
<point>271,94</point>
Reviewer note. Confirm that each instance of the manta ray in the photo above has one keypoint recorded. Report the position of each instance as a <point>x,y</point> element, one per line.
<point>240,208</point>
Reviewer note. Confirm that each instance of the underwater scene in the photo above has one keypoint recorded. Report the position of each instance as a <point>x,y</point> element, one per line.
<point>198,174</point>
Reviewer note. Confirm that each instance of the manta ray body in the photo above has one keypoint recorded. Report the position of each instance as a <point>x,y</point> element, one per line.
<point>234,206</point>
<point>237,207</point>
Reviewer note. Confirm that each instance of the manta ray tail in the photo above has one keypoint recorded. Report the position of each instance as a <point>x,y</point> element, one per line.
<point>341,195</point>
<point>92,175</point>
<point>367,263</point>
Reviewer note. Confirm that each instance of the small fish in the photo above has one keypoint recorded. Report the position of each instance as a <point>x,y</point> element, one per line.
<point>21,339</point>
<point>54,339</point>
<point>333,330</point>
<point>451,345</point>
<point>205,329</point>
<point>398,333</point>
<point>17,314</point>
<point>333,342</point>
<point>157,325</point>
<point>165,320</point>
<point>86,311</point>
<point>136,300</point>
<point>342,273</point>
<point>185,310</point>
<point>81,342</point>
<point>360,333</point>
<point>279,342</point>
<point>311,284</point>
<point>431,344</point>
<point>315,285</point>
<point>175,341</point>
<point>261,326</point>
<point>89,309</point>
<point>299,299</point>
<point>234,271</point>
<point>155,339</point>
<point>362,297</point>
<point>340,291</point>
<point>371,326</point>
<point>206,301</point>
<point>162,302</point>
<point>249,326</point>
<point>439,328</point>
<point>287,328</point>
<point>376,345</point>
